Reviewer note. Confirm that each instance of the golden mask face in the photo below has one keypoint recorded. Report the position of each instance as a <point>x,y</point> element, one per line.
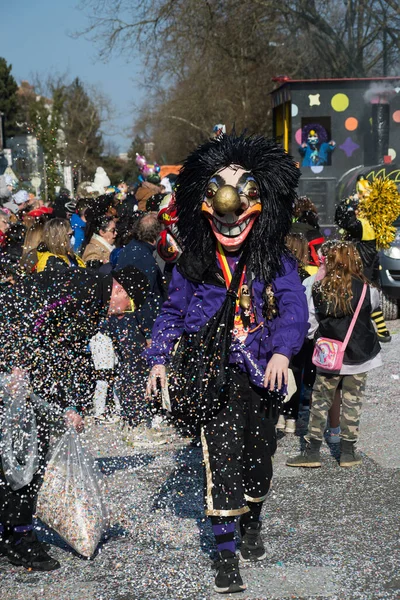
<point>232,203</point>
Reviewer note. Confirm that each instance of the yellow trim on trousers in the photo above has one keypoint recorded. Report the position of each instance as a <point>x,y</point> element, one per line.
<point>206,457</point>
<point>210,511</point>
<point>250,499</point>
<point>228,513</point>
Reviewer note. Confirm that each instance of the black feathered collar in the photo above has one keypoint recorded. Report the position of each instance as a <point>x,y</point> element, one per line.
<point>201,269</point>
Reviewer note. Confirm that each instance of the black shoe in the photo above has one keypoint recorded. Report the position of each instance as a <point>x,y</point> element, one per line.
<point>252,548</point>
<point>228,579</point>
<point>384,336</point>
<point>348,455</point>
<point>309,458</point>
<point>26,551</point>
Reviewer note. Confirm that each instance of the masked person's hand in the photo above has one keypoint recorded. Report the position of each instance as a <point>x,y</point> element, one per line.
<point>276,372</point>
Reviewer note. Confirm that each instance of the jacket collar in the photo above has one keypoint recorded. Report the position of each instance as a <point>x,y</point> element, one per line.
<point>144,245</point>
<point>103,242</point>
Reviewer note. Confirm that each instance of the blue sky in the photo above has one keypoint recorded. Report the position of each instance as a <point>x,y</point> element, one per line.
<point>34,39</point>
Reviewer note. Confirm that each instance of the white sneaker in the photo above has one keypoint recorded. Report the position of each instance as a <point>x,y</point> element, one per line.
<point>281,424</point>
<point>145,437</point>
<point>166,429</point>
<point>107,419</point>
<point>290,426</point>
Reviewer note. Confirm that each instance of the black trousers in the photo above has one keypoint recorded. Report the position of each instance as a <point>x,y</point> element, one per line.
<point>304,372</point>
<point>18,507</point>
<point>238,445</point>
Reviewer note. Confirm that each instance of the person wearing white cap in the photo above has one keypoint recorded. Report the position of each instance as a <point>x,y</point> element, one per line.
<point>18,201</point>
<point>101,181</point>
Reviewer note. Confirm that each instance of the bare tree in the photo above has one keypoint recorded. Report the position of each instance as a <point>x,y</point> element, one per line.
<point>208,61</point>
<point>349,36</point>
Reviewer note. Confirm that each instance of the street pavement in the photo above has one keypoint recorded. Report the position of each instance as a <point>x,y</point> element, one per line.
<point>331,533</point>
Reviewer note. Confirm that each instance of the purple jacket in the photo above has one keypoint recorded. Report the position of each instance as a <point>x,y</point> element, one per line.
<point>190,305</point>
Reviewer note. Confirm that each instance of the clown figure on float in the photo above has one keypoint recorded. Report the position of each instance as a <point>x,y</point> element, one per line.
<point>315,148</point>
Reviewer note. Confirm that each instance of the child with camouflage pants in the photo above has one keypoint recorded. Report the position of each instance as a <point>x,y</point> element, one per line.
<point>333,301</point>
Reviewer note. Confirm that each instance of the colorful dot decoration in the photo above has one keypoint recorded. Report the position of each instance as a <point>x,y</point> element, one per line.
<point>351,123</point>
<point>298,136</point>
<point>314,99</point>
<point>349,147</point>
<point>340,102</point>
<point>295,110</point>
<point>317,169</point>
<point>392,153</point>
<point>396,116</point>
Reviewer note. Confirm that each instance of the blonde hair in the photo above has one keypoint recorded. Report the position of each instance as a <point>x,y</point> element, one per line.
<point>343,263</point>
<point>33,237</point>
<point>56,238</point>
<point>298,245</point>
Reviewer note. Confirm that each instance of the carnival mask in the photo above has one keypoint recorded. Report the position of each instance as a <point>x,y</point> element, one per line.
<point>168,246</point>
<point>231,204</point>
<point>312,138</point>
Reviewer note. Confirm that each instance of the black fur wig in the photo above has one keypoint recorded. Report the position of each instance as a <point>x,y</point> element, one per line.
<point>277,177</point>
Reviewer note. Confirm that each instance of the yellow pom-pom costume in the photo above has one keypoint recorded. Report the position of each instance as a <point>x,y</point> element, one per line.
<point>380,206</point>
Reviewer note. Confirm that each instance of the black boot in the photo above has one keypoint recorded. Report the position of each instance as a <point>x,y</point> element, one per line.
<point>384,337</point>
<point>252,548</point>
<point>26,551</point>
<point>310,457</point>
<point>228,579</point>
<point>348,455</point>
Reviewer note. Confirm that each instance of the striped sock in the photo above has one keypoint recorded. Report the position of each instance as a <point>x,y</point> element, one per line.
<point>23,528</point>
<point>377,317</point>
<point>224,532</point>
<point>20,530</point>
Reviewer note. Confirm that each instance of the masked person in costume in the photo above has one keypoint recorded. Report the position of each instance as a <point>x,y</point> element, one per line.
<point>315,148</point>
<point>367,218</point>
<point>168,245</point>
<point>234,199</point>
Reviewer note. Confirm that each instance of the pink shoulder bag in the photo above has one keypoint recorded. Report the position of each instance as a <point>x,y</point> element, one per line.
<point>329,354</point>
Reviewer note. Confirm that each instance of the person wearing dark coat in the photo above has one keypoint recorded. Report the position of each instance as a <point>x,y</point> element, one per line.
<point>140,254</point>
<point>11,252</point>
<point>306,223</point>
<point>127,207</point>
<point>64,205</point>
<point>362,234</point>
<point>45,326</point>
<point>234,198</point>
<point>332,307</point>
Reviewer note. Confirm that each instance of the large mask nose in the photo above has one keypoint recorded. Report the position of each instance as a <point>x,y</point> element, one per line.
<point>226,200</point>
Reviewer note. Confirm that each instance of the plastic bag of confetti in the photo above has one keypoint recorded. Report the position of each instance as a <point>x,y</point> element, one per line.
<point>70,499</point>
<point>18,435</point>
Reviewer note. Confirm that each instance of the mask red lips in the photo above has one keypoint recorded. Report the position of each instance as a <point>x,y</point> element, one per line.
<point>232,203</point>
<point>229,230</point>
